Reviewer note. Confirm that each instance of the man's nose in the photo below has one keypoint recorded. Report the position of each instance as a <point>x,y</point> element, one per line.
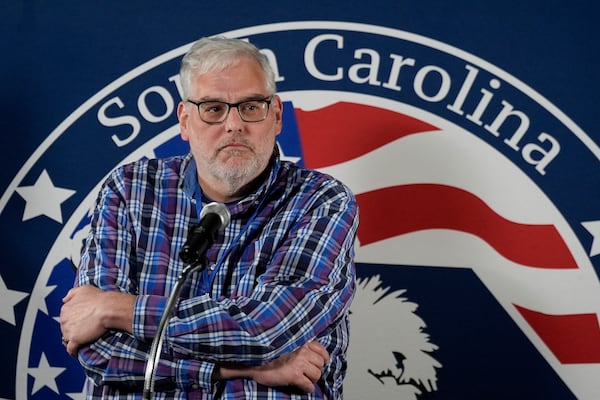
<point>233,121</point>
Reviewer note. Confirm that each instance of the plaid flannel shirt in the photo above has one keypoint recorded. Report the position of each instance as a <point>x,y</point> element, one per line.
<point>280,274</point>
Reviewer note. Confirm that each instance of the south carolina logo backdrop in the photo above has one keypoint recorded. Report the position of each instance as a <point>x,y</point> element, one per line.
<point>478,275</point>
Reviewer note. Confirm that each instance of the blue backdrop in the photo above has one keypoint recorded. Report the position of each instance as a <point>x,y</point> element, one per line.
<point>489,337</point>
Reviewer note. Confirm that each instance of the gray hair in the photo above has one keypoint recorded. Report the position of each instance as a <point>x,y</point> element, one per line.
<point>217,53</point>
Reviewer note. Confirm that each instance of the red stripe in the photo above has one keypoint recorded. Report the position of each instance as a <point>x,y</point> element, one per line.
<point>343,131</point>
<point>393,211</point>
<point>573,338</point>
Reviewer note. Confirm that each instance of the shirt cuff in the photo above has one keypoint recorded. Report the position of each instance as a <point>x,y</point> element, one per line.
<point>195,374</point>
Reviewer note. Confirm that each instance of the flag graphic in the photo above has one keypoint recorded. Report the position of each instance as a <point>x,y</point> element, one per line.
<point>457,198</point>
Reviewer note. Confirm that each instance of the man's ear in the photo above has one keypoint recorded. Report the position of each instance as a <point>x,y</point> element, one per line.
<point>183,116</point>
<point>277,106</point>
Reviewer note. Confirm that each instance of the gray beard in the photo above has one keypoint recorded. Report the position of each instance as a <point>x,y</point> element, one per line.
<point>236,179</point>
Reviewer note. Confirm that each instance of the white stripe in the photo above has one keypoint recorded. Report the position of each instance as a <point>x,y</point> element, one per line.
<point>454,158</point>
<point>569,291</point>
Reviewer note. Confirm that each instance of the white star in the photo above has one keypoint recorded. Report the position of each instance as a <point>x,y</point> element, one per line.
<point>43,198</point>
<point>287,158</point>
<point>593,227</point>
<point>43,307</point>
<point>10,298</point>
<point>45,375</point>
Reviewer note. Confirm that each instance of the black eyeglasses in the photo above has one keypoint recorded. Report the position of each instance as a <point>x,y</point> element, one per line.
<point>215,112</point>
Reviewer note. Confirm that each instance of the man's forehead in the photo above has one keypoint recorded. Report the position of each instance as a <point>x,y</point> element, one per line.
<point>238,82</point>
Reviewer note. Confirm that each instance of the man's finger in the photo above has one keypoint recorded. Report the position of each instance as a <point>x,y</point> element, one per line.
<point>318,348</point>
<point>307,385</point>
<point>313,373</point>
<point>71,348</point>
<point>68,296</point>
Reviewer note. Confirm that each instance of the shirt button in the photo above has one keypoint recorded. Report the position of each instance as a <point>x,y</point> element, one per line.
<point>212,266</point>
<point>195,386</point>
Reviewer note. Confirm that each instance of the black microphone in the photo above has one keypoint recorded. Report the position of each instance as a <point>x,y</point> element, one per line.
<point>214,216</point>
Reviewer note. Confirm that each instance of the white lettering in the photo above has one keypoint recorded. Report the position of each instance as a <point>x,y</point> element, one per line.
<point>484,102</point>
<point>444,85</point>
<point>465,89</point>
<point>398,63</point>
<point>309,57</point>
<point>372,67</point>
<point>508,111</point>
<point>167,100</point>
<point>432,84</point>
<point>117,121</point>
<point>547,155</point>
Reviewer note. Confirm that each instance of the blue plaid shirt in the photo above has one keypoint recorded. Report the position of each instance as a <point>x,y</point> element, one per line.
<point>280,275</point>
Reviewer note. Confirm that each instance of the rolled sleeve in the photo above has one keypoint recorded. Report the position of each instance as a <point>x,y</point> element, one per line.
<point>147,313</point>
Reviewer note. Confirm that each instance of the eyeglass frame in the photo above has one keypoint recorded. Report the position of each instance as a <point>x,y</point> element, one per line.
<point>267,100</point>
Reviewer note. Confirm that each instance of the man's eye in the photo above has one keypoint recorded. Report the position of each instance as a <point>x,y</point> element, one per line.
<point>213,107</point>
<point>251,106</point>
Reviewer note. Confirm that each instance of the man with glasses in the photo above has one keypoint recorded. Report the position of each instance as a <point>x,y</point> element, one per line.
<point>268,317</point>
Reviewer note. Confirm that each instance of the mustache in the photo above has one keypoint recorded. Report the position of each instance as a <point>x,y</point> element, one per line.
<point>235,141</point>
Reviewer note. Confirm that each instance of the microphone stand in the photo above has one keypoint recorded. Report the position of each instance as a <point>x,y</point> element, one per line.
<point>213,217</point>
<point>157,342</point>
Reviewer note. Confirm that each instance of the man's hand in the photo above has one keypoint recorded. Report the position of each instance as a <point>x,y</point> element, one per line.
<point>88,312</point>
<point>301,368</point>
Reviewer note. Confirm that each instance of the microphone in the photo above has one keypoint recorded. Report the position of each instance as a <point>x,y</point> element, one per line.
<point>214,216</point>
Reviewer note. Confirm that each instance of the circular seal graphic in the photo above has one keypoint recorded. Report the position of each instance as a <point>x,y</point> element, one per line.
<point>476,252</point>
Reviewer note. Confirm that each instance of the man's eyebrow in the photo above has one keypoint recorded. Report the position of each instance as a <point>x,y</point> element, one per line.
<point>257,96</point>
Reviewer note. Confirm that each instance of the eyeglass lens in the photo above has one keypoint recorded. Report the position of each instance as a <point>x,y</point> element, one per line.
<point>250,111</point>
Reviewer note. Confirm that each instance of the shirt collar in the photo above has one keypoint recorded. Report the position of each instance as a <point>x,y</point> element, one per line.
<point>189,177</point>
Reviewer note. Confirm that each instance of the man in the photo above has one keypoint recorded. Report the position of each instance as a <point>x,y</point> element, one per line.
<point>268,317</point>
